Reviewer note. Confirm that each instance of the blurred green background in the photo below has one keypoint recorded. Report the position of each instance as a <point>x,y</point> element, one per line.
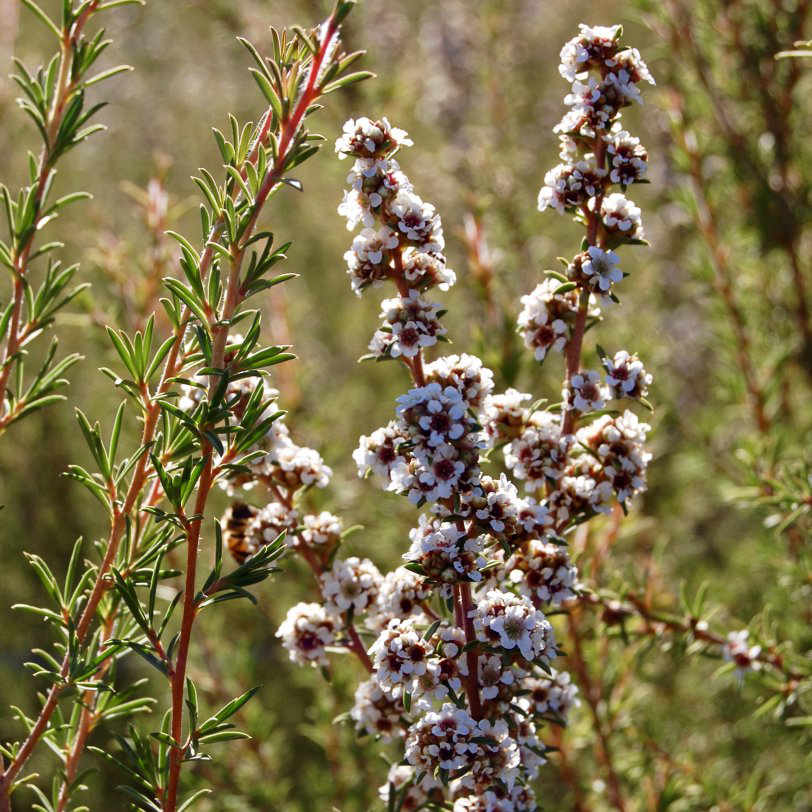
<point>476,85</point>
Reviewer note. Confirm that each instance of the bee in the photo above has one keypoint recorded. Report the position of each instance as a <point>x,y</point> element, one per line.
<point>240,542</point>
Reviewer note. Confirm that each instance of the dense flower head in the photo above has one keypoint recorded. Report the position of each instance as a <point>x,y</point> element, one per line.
<point>622,217</point>
<point>368,259</point>
<point>465,373</point>
<point>442,739</point>
<point>370,139</point>
<point>571,185</point>
<point>513,624</point>
<point>351,583</point>
<point>496,760</point>
<point>322,529</point>
<point>416,221</point>
<point>401,657</point>
<point>618,444</point>
<point>626,376</point>
<point>270,521</point>
<point>543,572</point>
<point>503,415</point>
<point>424,270</point>
<point>445,552</point>
<point>381,452</point>
<point>377,180</point>
<point>594,47</point>
<point>540,452</point>
<point>627,157</point>
<point>306,632</point>
<point>295,467</point>
<point>377,712</point>
<point>543,319</point>
<point>410,325</point>
<point>554,693</point>
<point>401,595</point>
<point>435,414</point>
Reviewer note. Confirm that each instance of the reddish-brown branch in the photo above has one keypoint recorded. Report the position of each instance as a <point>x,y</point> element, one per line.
<point>462,597</point>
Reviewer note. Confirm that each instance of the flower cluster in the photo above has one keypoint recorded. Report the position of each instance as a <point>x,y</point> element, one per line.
<point>459,646</point>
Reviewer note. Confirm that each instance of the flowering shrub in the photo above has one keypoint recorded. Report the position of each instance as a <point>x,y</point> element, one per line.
<point>526,647</point>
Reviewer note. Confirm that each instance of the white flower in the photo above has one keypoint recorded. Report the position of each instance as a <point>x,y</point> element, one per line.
<point>413,324</point>
<point>555,693</point>
<point>628,159</point>
<point>621,216</point>
<point>503,415</point>
<point>306,632</point>
<point>380,452</point>
<point>401,596</point>
<point>585,392</point>
<point>445,552</point>
<point>417,221</point>
<point>465,373</point>
<point>737,650</point>
<point>375,711</point>
<point>568,186</point>
<point>626,376</point>
<point>542,321</point>
<point>297,466</point>
<point>352,583</point>
<point>591,48</point>
<point>273,519</point>
<point>370,139</point>
<point>424,270</point>
<point>540,451</point>
<point>322,529</point>
<point>514,624</point>
<point>619,445</point>
<point>601,267</point>
<point>401,657</point>
<point>442,739</point>
<point>543,572</point>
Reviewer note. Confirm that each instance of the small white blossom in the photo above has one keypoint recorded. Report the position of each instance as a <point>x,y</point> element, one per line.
<point>540,452</point>
<point>306,632</point>
<point>626,376</point>
<point>465,373</point>
<point>568,186</point>
<point>601,267</point>
<point>585,392</point>
<point>620,216</point>
<point>628,159</point>
<point>442,739</point>
<point>380,452</point>
<point>376,712</point>
<point>555,693</point>
<point>590,49</point>
<point>322,529</point>
<point>370,139</point>
<point>514,624</point>
<point>445,552</point>
<point>417,221</point>
<point>503,415</point>
<point>352,583</point>
<point>411,324</point>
